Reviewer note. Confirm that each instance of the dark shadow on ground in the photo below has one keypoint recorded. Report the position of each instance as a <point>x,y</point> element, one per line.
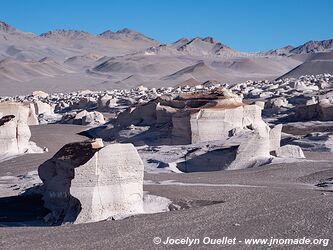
<point>214,160</point>
<point>22,210</point>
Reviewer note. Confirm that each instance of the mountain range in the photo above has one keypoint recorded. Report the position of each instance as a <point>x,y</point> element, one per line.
<point>66,60</point>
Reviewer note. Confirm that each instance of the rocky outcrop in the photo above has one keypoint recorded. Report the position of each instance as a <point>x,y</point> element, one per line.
<point>87,181</point>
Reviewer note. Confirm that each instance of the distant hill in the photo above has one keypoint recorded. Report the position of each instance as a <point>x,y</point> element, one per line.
<point>73,59</point>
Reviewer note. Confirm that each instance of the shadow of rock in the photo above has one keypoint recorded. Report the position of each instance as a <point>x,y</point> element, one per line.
<point>214,160</point>
<point>22,210</point>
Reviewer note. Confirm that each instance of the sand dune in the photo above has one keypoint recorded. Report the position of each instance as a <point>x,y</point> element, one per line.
<point>16,70</point>
<point>83,61</point>
<point>199,71</point>
<point>131,81</point>
<point>140,63</point>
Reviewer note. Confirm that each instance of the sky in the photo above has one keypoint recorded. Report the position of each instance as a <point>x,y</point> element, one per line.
<point>252,25</point>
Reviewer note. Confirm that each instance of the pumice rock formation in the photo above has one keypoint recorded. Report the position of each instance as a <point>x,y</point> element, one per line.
<point>87,181</point>
<point>290,151</point>
<point>194,117</point>
<point>14,129</point>
<point>237,152</point>
<point>43,108</point>
<point>214,120</point>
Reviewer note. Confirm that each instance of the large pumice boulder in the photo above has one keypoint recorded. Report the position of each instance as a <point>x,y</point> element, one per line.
<point>32,118</point>
<point>14,129</point>
<point>39,93</point>
<point>86,182</point>
<point>8,139</point>
<point>216,123</point>
<point>275,138</point>
<point>84,118</point>
<point>238,152</point>
<point>89,118</point>
<point>290,151</point>
<point>43,108</point>
<point>253,149</point>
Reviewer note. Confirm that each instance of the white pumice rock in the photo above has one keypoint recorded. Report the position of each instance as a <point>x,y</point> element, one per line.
<point>14,130</point>
<point>83,118</point>
<point>290,151</point>
<point>32,118</point>
<point>248,155</point>
<point>39,93</point>
<point>276,103</point>
<point>260,104</point>
<point>275,138</point>
<point>93,118</point>
<point>87,181</point>
<point>43,108</point>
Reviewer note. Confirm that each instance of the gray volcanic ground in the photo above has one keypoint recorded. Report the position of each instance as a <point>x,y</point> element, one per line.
<point>278,200</point>
<point>67,60</point>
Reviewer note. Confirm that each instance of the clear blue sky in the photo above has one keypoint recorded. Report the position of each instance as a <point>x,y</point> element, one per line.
<point>252,25</point>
